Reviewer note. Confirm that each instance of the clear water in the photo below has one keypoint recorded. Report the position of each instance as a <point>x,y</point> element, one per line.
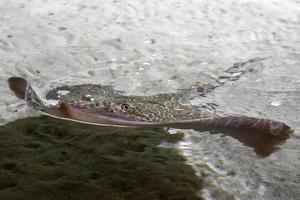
<point>152,47</point>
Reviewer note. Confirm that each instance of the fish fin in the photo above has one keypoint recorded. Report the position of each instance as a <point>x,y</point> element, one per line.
<point>18,85</point>
<point>23,90</point>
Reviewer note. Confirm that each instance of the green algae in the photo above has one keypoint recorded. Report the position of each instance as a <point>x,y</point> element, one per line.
<point>46,158</point>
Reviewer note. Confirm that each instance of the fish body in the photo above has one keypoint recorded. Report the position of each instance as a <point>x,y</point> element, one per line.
<point>73,112</point>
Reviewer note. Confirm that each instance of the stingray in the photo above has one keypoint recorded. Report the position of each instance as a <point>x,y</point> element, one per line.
<point>262,134</point>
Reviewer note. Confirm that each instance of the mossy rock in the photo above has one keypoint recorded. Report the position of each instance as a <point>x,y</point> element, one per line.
<point>45,158</point>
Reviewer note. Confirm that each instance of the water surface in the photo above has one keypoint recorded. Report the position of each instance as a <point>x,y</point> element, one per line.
<point>154,47</point>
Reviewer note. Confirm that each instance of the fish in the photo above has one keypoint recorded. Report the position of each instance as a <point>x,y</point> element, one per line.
<point>66,111</point>
<point>261,134</point>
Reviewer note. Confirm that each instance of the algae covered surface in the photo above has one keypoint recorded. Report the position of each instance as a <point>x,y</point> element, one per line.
<point>46,158</point>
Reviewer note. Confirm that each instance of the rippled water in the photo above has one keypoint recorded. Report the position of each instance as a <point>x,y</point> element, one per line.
<point>151,47</point>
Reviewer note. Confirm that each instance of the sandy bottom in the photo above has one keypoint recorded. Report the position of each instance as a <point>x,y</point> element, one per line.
<point>44,158</point>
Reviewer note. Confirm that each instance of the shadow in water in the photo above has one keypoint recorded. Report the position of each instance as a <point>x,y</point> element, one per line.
<point>264,144</point>
<point>46,158</point>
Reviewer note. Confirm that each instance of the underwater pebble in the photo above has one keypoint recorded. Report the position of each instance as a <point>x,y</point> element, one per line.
<point>91,73</point>
<point>151,41</point>
<point>275,103</point>
<point>147,63</point>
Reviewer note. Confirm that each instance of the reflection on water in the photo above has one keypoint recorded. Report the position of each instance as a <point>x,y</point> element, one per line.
<point>49,158</point>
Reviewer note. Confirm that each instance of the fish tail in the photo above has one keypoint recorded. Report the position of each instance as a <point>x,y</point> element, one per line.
<point>244,122</point>
<point>23,90</point>
<point>18,85</point>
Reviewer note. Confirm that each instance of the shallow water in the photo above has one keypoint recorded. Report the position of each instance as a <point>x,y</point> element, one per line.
<point>151,47</point>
